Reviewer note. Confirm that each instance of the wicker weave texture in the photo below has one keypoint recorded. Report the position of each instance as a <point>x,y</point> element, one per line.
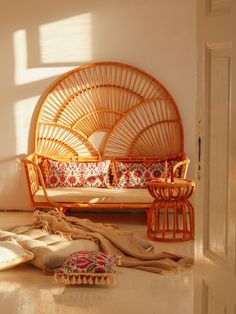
<point>135,110</point>
<point>151,129</point>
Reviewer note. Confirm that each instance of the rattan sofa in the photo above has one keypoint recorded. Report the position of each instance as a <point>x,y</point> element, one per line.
<point>104,111</point>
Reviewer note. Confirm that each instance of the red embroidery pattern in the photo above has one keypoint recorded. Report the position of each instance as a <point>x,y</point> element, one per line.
<point>88,262</point>
<point>81,175</point>
<point>136,174</point>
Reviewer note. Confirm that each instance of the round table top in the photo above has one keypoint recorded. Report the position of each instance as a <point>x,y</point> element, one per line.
<point>178,183</point>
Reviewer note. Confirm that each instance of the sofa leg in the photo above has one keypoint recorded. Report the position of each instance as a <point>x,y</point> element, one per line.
<point>65,210</point>
<point>61,209</point>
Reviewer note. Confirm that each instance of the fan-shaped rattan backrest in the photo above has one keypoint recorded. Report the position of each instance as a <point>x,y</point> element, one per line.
<point>132,110</point>
<point>152,129</point>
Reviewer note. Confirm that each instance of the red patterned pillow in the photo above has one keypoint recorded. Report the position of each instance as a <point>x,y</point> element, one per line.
<point>136,174</point>
<point>81,175</point>
<point>88,268</point>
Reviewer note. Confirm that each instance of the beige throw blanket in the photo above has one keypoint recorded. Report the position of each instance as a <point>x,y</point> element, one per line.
<point>133,251</point>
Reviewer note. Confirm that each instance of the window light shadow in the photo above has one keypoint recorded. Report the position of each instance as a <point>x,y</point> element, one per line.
<point>23,74</point>
<point>51,49</point>
<point>67,40</point>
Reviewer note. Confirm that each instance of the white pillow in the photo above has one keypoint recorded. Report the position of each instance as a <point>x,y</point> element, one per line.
<point>12,254</point>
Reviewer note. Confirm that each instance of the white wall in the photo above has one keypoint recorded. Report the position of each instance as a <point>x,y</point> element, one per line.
<point>42,39</point>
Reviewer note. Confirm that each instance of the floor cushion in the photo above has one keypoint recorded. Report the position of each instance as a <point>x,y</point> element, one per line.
<point>88,268</point>
<point>49,250</point>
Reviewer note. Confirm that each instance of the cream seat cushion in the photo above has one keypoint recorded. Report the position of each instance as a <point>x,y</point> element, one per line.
<point>95,195</point>
<point>49,250</point>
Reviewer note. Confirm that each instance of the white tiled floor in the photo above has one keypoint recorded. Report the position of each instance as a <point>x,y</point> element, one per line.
<point>26,290</point>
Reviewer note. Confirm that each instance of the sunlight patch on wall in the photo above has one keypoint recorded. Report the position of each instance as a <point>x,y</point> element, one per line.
<point>23,74</point>
<point>23,112</point>
<point>98,140</point>
<point>68,40</point>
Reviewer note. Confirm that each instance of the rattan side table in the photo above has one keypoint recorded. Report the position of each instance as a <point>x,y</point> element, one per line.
<point>171,215</point>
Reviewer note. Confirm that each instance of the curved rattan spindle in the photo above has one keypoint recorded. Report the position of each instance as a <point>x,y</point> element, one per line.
<point>152,129</point>
<point>171,215</point>
<point>60,142</point>
<point>94,98</point>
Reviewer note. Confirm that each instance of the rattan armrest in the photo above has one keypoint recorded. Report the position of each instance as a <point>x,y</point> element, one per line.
<point>31,175</point>
<point>35,178</point>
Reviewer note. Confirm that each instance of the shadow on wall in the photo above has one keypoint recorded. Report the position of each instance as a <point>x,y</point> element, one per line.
<point>13,181</point>
<point>46,39</point>
<point>40,43</point>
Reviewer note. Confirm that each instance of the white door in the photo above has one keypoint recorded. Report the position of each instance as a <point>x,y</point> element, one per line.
<point>215,208</point>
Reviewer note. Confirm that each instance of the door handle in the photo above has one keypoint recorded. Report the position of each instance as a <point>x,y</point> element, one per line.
<point>199,158</point>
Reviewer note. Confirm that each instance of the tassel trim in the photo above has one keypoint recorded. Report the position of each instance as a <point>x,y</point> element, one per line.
<point>87,279</point>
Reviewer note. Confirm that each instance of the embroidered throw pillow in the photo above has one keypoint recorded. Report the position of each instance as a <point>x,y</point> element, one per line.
<point>136,174</point>
<point>81,175</point>
<point>88,268</point>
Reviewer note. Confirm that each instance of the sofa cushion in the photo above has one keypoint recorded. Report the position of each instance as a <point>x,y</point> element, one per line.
<point>136,174</point>
<point>81,174</point>
<point>94,195</point>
